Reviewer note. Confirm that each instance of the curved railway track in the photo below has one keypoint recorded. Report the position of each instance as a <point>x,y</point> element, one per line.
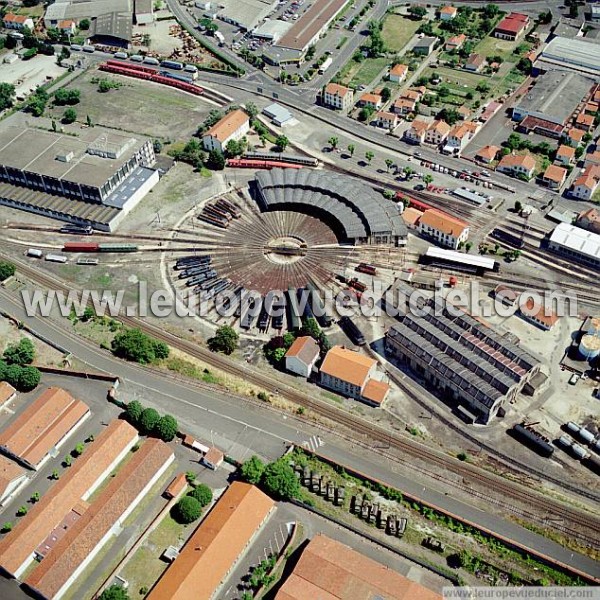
<point>379,437</point>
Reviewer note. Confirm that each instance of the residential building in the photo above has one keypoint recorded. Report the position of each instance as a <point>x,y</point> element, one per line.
<point>591,108</point>
<point>302,356</point>
<point>19,22</point>
<point>543,317</point>
<point>463,112</point>
<point>77,484</point>
<point>585,186</point>
<point>67,27</point>
<point>425,46</point>
<point>447,13</point>
<point>216,546</point>
<point>348,373</point>
<point>590,220</point>
<point>573,136</point>
<point>554,177</point>
<point>517,164</point>
<point>462,358</point>
<point>330,570</point>
<point>12,478</point>
<point>512,26</point>
<point>233,126</point>
<point>373,100</point>
<point>475,62</point>
<point>415,134</point>
<point>404,106</point>
<point>455,42</point>
<point>43,427</point>
<point>592,159</point>
<point>487,154</point>
<point>565,155</point>
<point>444,229</point>
<point>66,558</point>
<point>457,139</point>
<point>585,122</point>
<point>338,97</point>
<point>398,73</point>
<point>437,132</point>
<point>491,109</point>
<point>213,459</point>
<point>387,120</point>
<point>576,243</point>
<point>7,393</point>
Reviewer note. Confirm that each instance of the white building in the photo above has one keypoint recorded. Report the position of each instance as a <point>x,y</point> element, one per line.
<point>302,356</point>
<point>233,126</point>
<point>576,243</point>
<point>443,229</point>
<point>338,97</point>
<point>12,21</point>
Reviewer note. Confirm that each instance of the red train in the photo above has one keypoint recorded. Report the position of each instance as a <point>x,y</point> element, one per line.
<point>247,163</point>
<point>80,247</point>
<point>149,75</point>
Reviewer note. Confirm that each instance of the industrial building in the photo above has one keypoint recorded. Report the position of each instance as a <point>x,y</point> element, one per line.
<point>330,570</point>
<point>576,243</point>
<point>77,10</point>
<point>90,526</point>
<point>12,478</point>
<point>43,427</point>
<point>351,374</point>
<point>210,554</point>
<point>245,14</point>
<point>462,359</point>
<point>112,29</point>
<point>292,46</point>
<point>41,527</point>
<point>554,97</point>
<point>575,54</point>
<point>94,178</point>
<point>354,211</point>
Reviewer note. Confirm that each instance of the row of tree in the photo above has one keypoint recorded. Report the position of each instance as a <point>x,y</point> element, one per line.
<point>189,508</point>
<point>149,422</point>
<point>277,478</point>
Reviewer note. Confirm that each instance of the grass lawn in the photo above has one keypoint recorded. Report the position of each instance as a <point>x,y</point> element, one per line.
<point>365,72</point>
<point>31,11</point>
<point>397,31</point>
<point>490,46</point>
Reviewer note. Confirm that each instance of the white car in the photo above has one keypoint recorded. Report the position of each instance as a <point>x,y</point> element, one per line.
<point>574,379</point>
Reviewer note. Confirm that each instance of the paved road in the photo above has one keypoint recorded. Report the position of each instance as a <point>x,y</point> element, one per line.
<point>191,404</point>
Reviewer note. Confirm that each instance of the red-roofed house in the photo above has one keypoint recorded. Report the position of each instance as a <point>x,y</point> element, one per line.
<point>590,220</point>
<point>512,26</point>
<point>574,136</point>
<point>373,100</point>
<point>457,139</point>
<point>338,96</point>
<point>585,122</point>
<point>475,62</point>
<point>387,120</point>
<point>565,154</point>
<point>415,134</point>
<point>585,185</point>
<point>67,26</point>
<point>455,42</point>
<point>445,229</point>
<point>554,177</point>
<point>437,132</point>
<point>12,21</point>
<point>515,164</point>
<point>592,159</point>
<point>398,73</point>
<point>302,356</point>
<point>447,13</point>
<point>487,154</point>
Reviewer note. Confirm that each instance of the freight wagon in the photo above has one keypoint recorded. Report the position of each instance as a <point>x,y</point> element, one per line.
<point>244,163</point>
<point>176,76</point>
<point>35,253</point>
<point>117,248</point>
<point>352,331</point>
<point>58,258</point>
<point>172,64</point>
<point>74,229</point>
<point>533,439</point>
<point>80,247</point>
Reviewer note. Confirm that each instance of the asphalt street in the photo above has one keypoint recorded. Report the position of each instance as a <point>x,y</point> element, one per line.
<point>241,427</point>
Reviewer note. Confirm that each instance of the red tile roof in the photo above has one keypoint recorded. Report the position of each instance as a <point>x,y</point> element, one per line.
<point>305,349</point>
<point>347,365</point>
<point>9,472</point>
<point>228,125</point>
<point>18,546</point>
<point>375,391</point>
<point>517,160</point>
<point>176,486</point>
<point>513,23</point>
<point>215,546</point>
<point>42,425</point>
<point>554,173</point>
<point>488,152</point>
<point>12,18</point>
<point>330,570</point>
<point>52,576</point>
<point>441,221</point>
<point>335,89</point>
<point>7,391</point>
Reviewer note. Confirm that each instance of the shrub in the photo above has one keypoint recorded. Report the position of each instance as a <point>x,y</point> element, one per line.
<point>187,510</point>
<point>134,412</point>
<point>149,420</point>
<point>7,269</point>
<point>166,428</point>
<point>203,494</point>
<point>21,353</point>
<point>252,470</point>
<point>280,480</point>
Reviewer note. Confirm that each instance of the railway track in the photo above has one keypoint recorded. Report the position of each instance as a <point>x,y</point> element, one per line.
<point>378,437</point>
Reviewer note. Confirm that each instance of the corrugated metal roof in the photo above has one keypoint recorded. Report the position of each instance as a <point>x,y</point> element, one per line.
<point>577,239</point>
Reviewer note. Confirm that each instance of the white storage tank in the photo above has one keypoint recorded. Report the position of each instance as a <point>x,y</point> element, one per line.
<point>589,346</point>
<point>35,253</point>
<point>586,436</point>
<point>573,427</point>
<point>565,441</point>
<point>579,451</point>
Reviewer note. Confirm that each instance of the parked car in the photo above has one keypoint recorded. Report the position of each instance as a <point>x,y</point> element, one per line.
<point>574,379</point>
<point>419,187</point>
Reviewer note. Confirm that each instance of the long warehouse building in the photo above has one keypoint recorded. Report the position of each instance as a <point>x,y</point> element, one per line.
<point>576,243</point>
<point>462,359</point>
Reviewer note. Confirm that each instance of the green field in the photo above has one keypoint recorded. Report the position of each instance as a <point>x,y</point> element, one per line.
<point>397,31</point>
<point>490,46</point>
<point>363,73</point>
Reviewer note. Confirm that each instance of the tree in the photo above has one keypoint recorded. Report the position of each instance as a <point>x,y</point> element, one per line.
<point>64,96</point>
<point>389,163</point>
<point>417,12</point>
<point>333,142</point>
<point>282,142</point>
<point>365,113</point>
<point>133,412</point>
<point>7,527</point>
<point>114,592</point>
<point>7,270</point>
<point>36,104</point>
<point>192,153</point>
<point>35,497</point>
<point>22,511</point>
<point>68,461</point>
<point>386,94</point>
<point>84,24</point>
<point>79,448</point>
<point>167,428</point>
<point>369,156</point>
<point>187,510</point>
<point>161,350</point>
<point>311,328</point>
<point>69,116</point>
<point>203,494</point>
<point>157,145</point>
<point>251,110</point>
<point>21,353</point>
<point>149,420</point>
<point>450,115</point>
<point>233,148</point>
<point>427,179</point>
<point>135,345</point>
<point>351,149</point>
<point>29,379</point>
<point>483,87</point>
<point>518,206</point>
<point>225,340</point>
<point>252,470</point>
<point>216,160</point>
<point>7,95</point>
<point>280,481</point>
